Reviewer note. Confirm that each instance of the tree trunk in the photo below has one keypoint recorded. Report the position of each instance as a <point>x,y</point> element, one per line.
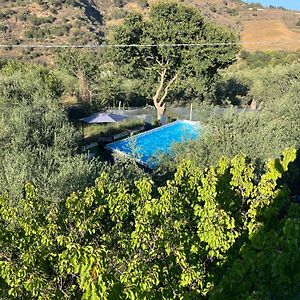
<point>253,105</point>
<point>84,93</point>
<point>159,101</point>
<point>160,110</point>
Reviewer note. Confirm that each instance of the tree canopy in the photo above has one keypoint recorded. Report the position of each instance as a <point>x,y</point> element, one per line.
<point>221,232</point>
<point>186,69</point>
<point>98,84</point>
<point>37,142</point>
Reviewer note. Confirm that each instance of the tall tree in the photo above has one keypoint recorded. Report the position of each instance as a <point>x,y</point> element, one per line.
<point>98,83</point>
<point>163,67</point>
<point>37,143</point>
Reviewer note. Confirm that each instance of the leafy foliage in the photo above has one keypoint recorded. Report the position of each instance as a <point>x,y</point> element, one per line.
<point>261,59</point>
<point>185,70</point>
<point>197,235</point>
<point>37,143</point>
<point>99,84</point>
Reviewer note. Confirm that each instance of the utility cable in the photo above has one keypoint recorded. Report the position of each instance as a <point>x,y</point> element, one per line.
<point>93,46</point>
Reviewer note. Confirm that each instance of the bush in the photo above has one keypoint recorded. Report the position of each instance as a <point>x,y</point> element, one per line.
<point>260,134</point>
<point>130,239</point>
<point>78,24</point>
<point>118,13</point>
<point>60,30</point>
<point>53,11</point>
<point>3,16</point>
<point>212,8</point>
<point>10,12</point>
<point>56,3</point>
<point>22,17</point>
<point>34,54</point>
<point>143,3</point>
<point>34,33</point>
<point>44,6</point>
<point>261,59</point>
<point>73,3</point>
<point>42,150</point>
<point>13,41</point>
<point>3,28</point>
<point>119,3</point>
<point>232,11</point>
<point>244,54</point>
<point>35,20</point>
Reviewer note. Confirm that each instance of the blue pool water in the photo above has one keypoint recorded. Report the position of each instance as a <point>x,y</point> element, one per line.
<point>146,147</point>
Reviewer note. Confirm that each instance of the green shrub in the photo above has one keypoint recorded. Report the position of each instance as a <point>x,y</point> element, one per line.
<point>119,3</point>
<point>44,148</point>
<point>133,239</point>
<point>35,20</point>
<point>3,16</point>
<point>143,3</point>
<point>118,13</point>
<point>55,3</point>
<point>78,23</point>
<point>212,8</point>
<point>34,33</point>
<point>244,54</point>
<point>44,6</point>
<point>22,16</point>
<point>60,30</point>
<point>10,12</point>
<point>34,54</point>
<point>53,11</point>
<point>3,28</point>
<point>231,11</point>
<point>73,3</point>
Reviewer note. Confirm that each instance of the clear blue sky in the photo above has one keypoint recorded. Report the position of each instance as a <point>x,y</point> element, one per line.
<point>290,4</point>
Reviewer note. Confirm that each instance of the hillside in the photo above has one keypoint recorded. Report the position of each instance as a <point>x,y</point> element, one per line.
<point>80,22</point>
<point>48,22</point>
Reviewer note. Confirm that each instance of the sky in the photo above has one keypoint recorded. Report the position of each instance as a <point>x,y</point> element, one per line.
<point>289,4</point>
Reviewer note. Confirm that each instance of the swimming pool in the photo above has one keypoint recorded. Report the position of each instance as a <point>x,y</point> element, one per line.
<point>147,146</point>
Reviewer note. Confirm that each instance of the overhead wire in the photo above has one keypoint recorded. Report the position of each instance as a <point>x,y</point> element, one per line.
<point>96,45</point>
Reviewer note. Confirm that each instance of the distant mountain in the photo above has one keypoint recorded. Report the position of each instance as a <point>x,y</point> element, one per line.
<point>89,21</point>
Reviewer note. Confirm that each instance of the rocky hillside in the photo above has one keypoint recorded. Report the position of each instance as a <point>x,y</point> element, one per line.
<point>89,21</point>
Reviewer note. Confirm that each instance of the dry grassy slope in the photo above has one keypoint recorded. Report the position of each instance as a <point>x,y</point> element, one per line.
<point>258,28</point>
<point>270,29</point>
<point>85,21</point>
<point>221,11</point>
<point>272,34</point>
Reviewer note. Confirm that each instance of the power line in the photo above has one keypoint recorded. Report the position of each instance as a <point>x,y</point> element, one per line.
<point>92,46</point>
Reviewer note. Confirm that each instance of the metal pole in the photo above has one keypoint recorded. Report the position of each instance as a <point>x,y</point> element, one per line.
<point>191,111</point>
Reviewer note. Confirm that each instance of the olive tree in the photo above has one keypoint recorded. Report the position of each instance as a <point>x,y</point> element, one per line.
<point>37,142</point>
